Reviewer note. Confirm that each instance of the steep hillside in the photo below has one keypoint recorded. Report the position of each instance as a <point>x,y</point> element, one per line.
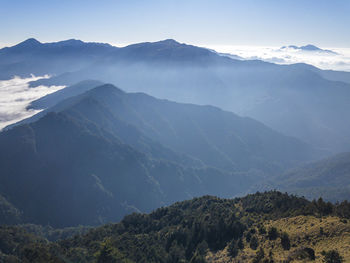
<point>264,227</point>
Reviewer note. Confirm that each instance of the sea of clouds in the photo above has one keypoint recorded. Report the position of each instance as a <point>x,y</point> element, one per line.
<point>16,95</point>
<point>339,60</point>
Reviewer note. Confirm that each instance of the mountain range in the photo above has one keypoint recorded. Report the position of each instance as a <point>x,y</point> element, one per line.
<point>91,152</point>
<point>92,156</point>
<point>311,103</point>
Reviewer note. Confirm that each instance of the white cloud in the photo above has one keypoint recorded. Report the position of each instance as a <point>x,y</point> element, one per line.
<point>16,95</point>
<point>323,60</point>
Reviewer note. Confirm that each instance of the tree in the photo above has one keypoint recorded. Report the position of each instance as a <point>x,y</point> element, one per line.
<point>110,254</point>
<point>285,242</point>
<point>176,252</point>
<point>254,243</point>
<point>259,256</point>
<point>232,248</point>
<point>332,256</point>
<point>273,233</point>
<point>262,230</point>
<point>310,252</point>
<point>197,258</point>
<point>248,236</point>
<point>240,244</point>
<point>202,247</point>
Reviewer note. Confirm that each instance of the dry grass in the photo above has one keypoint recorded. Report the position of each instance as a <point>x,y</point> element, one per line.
<point>303,231</point>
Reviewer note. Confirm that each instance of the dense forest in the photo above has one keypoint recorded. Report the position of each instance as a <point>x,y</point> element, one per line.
<point>205,229</point>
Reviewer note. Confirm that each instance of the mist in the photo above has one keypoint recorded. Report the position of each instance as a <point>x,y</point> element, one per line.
<point>309,106</point>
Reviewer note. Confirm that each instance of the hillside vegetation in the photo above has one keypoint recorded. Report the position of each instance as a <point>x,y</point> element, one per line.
<point>264,227</point>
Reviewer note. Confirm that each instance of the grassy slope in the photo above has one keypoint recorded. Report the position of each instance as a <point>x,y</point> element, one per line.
<point>303,231</point>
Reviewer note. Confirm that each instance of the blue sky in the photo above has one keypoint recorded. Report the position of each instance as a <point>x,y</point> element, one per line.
<point>325,23</point>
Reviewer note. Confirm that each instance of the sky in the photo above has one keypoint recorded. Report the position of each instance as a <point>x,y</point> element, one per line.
<point>324,23</point>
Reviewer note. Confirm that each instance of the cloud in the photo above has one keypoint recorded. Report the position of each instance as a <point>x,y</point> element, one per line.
<point>16,95</point>
<point>338,59</point>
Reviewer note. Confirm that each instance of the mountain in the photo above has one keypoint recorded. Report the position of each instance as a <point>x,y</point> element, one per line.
<point>264,227</point>
<point>309,48</point>
<point>311,103</point>
<point>217,138</point>
<point>95,157</point>
<point>62,171</point>
<point>328,178</point>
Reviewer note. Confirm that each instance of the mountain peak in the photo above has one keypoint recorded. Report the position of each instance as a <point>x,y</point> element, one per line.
<point>30,42</point>
<point>105,89</point>
<point>309,47</point>
<point>69,42</point>
<point>169,42</point>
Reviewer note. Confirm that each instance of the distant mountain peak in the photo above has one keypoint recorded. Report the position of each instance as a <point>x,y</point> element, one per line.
<point>309,47</point>
<point>166,42</point>
<point>32,42</point>
<point>169,42</point>
<point>70,42</point>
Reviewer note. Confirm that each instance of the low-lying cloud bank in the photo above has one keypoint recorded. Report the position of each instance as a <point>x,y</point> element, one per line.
<point>16,95</point>
<point>338,59</point>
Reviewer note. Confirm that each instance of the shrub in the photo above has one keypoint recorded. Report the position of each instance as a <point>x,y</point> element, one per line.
<point>273,233</point>
<point>259,256</point>
<point>332,256</point>
<point>285,242</point>
<point>262,230</point>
